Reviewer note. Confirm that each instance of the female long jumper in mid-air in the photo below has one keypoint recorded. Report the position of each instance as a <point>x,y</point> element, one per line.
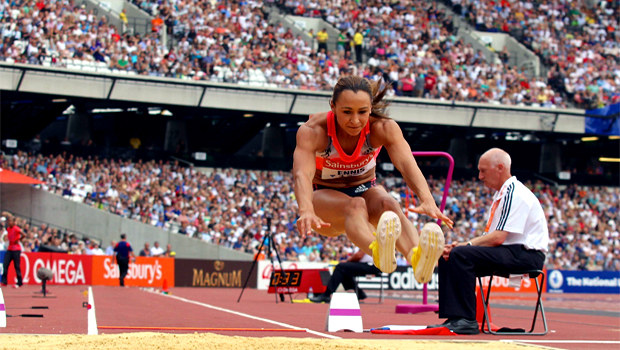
<point>335,184</point>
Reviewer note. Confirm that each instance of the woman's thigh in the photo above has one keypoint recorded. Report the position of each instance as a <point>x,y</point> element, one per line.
<point>331,206</point>
<point>375,202</point>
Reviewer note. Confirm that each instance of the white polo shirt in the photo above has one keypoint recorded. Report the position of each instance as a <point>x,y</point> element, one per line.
<point>520,214</point>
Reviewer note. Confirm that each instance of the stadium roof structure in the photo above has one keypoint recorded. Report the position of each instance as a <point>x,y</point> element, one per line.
<point>11,177</point>
<point>63,84</point>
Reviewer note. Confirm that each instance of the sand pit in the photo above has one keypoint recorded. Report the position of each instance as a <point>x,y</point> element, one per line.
<point>137,341</point>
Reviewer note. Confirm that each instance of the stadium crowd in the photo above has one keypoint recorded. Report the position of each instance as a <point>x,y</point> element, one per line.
<point>410,44</point>
<point>235,208</point>
<point>578,39</point>
<point>61,240</point>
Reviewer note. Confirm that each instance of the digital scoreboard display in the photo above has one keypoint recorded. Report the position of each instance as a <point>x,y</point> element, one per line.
<point>299,281</point>
<point>286,278</point>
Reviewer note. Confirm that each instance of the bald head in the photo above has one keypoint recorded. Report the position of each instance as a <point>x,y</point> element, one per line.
<point>496,156</point>
<point>494,168</point>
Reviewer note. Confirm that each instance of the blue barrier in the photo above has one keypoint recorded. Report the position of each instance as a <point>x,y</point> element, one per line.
<point>604,282</point>
<point>609,125</point>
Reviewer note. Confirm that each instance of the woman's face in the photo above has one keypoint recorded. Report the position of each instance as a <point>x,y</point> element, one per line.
<point>352,110</point>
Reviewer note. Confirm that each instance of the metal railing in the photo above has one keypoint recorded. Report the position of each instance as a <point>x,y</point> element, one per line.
<point>61,230</point>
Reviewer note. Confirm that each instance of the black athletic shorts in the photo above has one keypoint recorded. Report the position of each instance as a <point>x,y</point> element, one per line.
<point>354,191</point>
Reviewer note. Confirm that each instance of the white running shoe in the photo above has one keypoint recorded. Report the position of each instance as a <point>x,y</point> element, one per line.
<point>384,248</point>
<point>428,252</point>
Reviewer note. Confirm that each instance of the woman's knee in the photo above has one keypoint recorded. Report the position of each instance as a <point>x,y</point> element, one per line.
<point>356,206</point>
<point>389,203</point>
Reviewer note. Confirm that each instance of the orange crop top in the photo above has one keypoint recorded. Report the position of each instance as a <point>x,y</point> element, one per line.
<point>334,163</point>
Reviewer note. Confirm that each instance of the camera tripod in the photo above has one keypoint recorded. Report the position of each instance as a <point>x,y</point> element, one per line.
<point>269,247</point>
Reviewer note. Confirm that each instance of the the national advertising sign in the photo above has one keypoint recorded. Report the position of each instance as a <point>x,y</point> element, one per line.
<point>607,282</point>
<point>213,273</point>
<point>67,269</point>
<point>143,272</point>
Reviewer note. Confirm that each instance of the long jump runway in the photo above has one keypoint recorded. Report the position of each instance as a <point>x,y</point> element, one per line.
<point>571,323</point>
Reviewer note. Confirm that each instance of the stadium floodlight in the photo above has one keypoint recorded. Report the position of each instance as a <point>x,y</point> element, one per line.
<point>69,110</point>
<point>589,138</point>
<point>10,143</point>
<point>513,136</point>
<point>107,110</point>
<point>248,115</point>
<point>609,160</point>
<point>154,110</point>
<point>614,137</point>
<point>200,156</point>
<point>480,136</point>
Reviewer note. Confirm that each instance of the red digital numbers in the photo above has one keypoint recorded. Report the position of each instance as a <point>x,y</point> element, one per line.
<point>286,279</point>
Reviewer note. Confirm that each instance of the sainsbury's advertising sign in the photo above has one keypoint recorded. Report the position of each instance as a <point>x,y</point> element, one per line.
<point>71,269</point>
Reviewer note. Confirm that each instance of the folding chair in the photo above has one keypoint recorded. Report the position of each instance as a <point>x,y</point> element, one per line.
<point>369,276</point>
<point>485,301</point>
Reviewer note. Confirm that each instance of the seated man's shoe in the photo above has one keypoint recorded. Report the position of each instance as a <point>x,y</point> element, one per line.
<point>321,298</point>
<point>441,325</point>
<point>463,326</point>
<point>361,295</point>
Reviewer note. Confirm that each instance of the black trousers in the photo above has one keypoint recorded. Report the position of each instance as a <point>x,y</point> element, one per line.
<point>123,266</point>
<point>457,276</point>
<point>14,256</point>
<point>358,53</point>
<point>346,272</point>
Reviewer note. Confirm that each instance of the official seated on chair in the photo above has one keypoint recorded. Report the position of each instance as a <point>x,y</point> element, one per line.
<point>516,238</point>
<point>359,264</point>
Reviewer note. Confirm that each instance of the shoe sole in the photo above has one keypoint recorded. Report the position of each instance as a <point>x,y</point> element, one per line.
<point>432,243</point>
<point>388,231</point>
<point>465,331</point>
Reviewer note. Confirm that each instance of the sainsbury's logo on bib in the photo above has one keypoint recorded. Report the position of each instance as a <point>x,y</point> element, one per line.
<point>333,170</point>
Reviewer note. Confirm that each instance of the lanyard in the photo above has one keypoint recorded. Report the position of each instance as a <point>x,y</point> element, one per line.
<point>493,208</point>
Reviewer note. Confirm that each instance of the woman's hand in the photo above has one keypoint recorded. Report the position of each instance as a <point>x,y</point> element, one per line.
<point>430,209</point>
<point>308,221</point>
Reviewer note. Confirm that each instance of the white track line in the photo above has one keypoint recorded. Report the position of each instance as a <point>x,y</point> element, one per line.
<point>247,316</point>
<point>3,311</point>
<point>92,319</point>
<point>560,341</point>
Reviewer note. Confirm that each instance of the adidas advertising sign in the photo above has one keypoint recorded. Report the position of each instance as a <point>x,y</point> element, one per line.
<point>401,279</point>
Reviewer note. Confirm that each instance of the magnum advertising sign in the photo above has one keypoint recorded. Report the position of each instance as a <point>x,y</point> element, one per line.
<point>213,273</point>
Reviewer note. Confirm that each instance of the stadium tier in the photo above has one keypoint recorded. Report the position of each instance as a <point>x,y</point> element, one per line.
<point>410,44</point>
<point>228,207</point>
